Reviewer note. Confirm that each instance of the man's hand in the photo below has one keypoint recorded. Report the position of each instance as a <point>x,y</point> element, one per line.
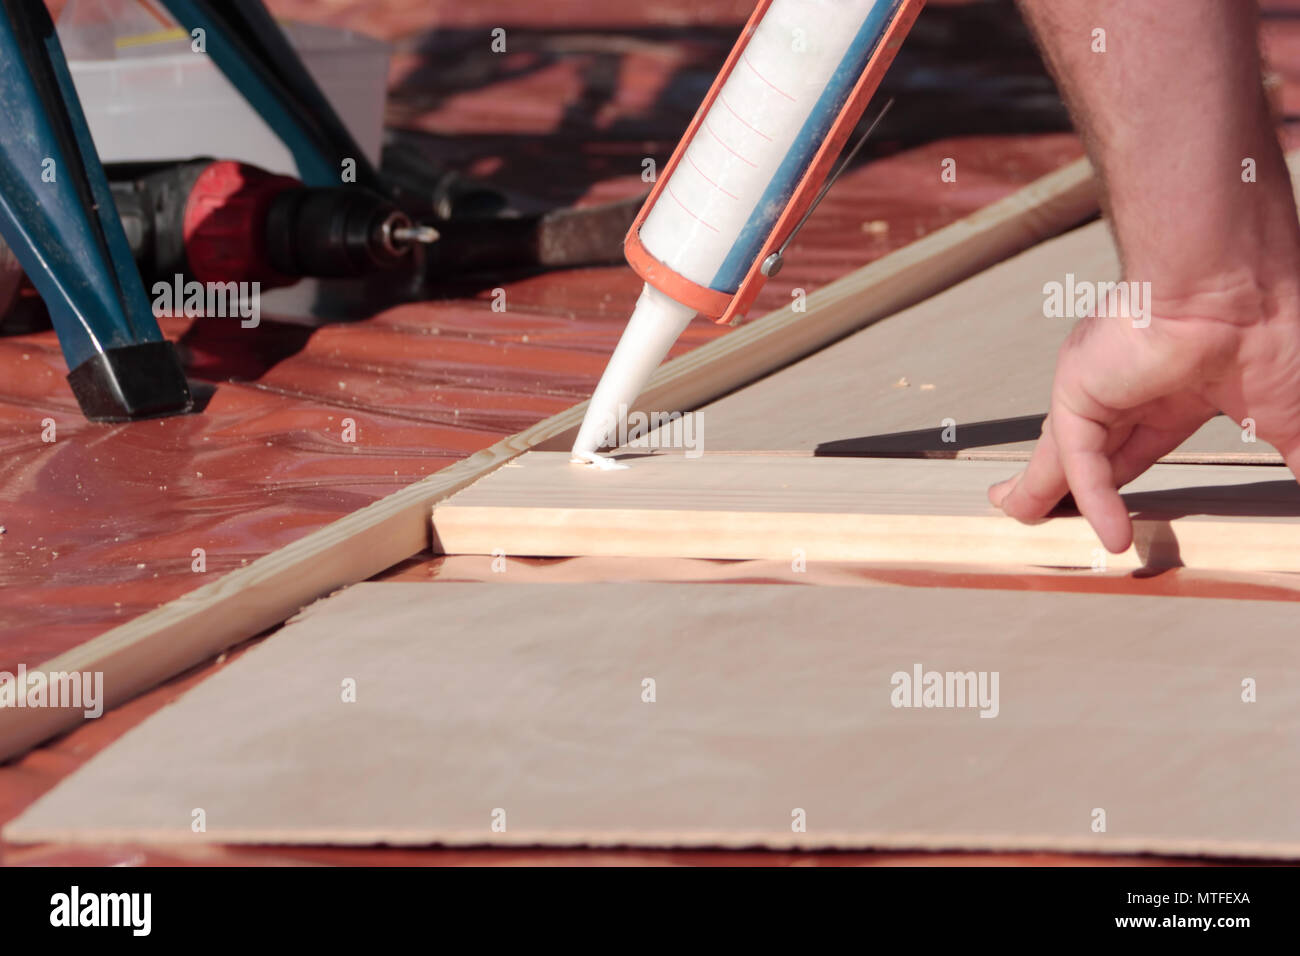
<point>1125,396</point>
<point>1168,97</point>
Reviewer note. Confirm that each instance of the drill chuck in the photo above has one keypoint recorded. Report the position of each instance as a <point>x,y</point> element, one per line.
<point>335,232</point>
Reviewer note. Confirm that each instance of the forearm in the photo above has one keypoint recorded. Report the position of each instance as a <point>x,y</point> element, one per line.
<point>1169,113</point>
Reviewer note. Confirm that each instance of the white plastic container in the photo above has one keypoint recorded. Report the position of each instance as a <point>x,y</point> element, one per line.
<point>146,96</point>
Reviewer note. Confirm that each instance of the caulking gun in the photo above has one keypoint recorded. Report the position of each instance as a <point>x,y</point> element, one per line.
<point>752,166</point>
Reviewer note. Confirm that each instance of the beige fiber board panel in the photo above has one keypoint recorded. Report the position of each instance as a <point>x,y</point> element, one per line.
<point>158,645</point>
<point>768,699</point>
<point>981,353</point>
<point>1226,517</point>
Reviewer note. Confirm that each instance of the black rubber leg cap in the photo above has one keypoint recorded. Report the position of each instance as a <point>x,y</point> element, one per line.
<point>134,381</point>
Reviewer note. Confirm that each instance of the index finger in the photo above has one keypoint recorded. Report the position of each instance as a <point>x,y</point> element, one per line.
<point>1082,450</point>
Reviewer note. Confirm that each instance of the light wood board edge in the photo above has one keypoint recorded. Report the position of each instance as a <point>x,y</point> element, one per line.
<point>162,643</point>
<point>1220,544</point>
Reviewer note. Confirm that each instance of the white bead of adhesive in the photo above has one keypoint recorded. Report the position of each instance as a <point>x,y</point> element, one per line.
<point>599,462</point>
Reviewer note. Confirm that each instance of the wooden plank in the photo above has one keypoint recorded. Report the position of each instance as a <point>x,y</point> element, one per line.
<point>156,646</point>
<point>849,509</point>
<point>528,698</point>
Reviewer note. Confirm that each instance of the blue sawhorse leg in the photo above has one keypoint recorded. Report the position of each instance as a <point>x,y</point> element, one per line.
<point>58,218</point>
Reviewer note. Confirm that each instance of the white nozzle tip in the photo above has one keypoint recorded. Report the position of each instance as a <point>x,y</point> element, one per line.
<point>654,326</point>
